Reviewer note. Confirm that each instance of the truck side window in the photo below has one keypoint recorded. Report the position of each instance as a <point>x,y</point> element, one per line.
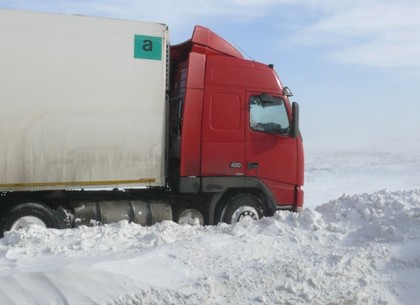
<point>268,116</point>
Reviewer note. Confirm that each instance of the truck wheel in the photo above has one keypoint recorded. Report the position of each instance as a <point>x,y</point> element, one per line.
<point>189,216</point>
<point>242,207</point>
<point>26,214</point>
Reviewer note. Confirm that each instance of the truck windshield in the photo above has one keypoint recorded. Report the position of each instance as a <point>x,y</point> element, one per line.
<point>268,116</point>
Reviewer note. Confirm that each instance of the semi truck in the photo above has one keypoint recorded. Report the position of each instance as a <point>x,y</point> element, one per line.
<point>104,120</point>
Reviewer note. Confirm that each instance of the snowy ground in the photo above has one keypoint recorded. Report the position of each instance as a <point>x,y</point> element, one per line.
<point>328,176</point>
<point>359,248</point>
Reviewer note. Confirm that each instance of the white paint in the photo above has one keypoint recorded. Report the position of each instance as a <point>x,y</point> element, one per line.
<point>76,104</point>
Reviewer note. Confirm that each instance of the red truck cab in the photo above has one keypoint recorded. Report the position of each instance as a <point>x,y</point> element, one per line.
<point>233,131</point>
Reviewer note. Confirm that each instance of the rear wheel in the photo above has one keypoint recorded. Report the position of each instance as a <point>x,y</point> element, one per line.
<point>189,216</point>
<point>26,214</point>
<point>242,207</point>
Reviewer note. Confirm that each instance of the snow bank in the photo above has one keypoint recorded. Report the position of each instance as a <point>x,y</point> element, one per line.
<point>360,249</point>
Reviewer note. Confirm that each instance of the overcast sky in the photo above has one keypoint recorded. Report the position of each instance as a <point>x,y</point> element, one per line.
<point>353,65</point>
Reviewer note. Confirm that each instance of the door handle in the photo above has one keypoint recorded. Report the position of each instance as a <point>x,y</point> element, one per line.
<point>253,165</point>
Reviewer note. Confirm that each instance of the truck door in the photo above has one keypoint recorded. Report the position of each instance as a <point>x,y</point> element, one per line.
<point>223,136</point>
<point>270,152</point>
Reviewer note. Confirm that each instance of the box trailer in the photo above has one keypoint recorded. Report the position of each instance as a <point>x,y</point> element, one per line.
<point>82,105</point>
<point>102,120</point>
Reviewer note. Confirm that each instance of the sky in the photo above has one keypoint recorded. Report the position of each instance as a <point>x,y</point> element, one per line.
<point>353,65</point>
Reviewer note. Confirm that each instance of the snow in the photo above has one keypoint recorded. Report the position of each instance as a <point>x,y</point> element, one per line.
<point>356,242</point>
<point>329,175</point>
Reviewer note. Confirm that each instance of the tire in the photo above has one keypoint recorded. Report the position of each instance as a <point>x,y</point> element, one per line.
<point>26,214</point>
<point>242,207</point>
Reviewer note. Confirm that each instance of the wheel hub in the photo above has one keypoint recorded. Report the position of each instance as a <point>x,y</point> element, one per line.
<point>191,217</point>
<point>245,213</point>
<point>26,221</point>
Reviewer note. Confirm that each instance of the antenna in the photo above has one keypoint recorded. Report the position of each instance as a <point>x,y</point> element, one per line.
<point>243,51</point>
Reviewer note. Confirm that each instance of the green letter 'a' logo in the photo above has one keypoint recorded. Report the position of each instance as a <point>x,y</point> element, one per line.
<point>148,47</point>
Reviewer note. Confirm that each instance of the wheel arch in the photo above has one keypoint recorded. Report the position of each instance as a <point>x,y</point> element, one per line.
<point>225,188</point>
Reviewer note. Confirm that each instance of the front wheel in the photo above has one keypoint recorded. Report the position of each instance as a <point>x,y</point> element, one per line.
<point>242,207</point>
<point>26,214</point>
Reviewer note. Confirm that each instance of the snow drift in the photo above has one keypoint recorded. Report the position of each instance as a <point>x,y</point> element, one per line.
<point>357,249</point>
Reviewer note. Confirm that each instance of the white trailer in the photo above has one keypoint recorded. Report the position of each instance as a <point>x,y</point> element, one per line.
<point>83,102</point>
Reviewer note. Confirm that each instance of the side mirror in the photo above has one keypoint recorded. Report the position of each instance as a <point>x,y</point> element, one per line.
<point>287,92</point>
<point>295,117</point>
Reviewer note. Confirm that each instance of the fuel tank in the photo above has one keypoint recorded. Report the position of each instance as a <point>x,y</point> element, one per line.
<point>137,211</point>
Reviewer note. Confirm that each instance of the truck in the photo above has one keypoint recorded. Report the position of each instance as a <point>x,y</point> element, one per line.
<point>102,120</point>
